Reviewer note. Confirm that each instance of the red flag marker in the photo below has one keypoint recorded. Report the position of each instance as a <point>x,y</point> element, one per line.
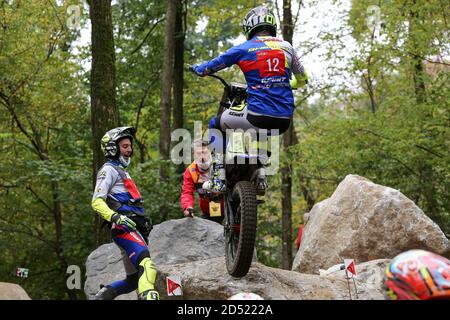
<point>174,286</point>
<point>350,266</point>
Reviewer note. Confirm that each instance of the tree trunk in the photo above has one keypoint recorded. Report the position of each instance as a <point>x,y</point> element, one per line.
<point>178,67</point>
<point>416,46</point>
<point>166,92</point>
<point>419,83</point>
<point>307,194</point>
<point>57,216</point>
<point>178,71</point>
<point>286,181</point>
<point>59,246</point>
<point>104,111</point>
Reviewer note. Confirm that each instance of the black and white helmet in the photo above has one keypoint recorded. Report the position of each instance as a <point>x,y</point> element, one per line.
<point>259,17</point>
<point>110,141</point>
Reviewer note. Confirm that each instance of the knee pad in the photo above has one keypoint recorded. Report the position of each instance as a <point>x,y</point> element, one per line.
<point>147,275</point>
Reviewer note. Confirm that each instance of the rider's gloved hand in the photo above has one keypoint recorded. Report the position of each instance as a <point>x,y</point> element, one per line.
<point>299,80</point>
<point>122,220</point>
<point>194,68</point>
<point>294,83</point>
<point>189,212</point>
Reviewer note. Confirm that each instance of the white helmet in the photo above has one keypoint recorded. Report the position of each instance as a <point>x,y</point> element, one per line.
<point>259,18</point>
<point>110,141</point>
<point>245,296</point>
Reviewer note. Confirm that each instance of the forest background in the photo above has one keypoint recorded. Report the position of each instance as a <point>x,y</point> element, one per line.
<point>377,105</point>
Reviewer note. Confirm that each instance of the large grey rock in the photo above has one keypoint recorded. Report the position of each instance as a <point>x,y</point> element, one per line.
<point>184,240</point>
<point>103,266</point>
<point>12,291</point>
<point>206,277</point>
<point>209,279</point>
<point>369,273</point>
<point>173,241</point>
<point>365,221</point>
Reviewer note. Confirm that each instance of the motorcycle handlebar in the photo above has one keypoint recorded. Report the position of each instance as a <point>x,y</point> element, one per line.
<point>221,80</point>
<point>225,84</point>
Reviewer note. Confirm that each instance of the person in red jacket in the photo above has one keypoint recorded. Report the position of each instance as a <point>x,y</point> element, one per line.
<point>211,204</point>
<point>298,241</point>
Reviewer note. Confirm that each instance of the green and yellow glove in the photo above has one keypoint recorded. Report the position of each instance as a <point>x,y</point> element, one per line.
<point>299,81</point>
<point>122,220</point>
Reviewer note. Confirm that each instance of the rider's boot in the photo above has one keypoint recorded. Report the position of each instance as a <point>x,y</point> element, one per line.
<point>105,293</point>
<point>217,182</point>
<point>260,178</point>
<point>149,295</point>
<point>261,181</point>
<point>146,283</point>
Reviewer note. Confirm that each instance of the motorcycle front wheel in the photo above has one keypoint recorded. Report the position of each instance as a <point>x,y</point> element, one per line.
<point>240,228</point>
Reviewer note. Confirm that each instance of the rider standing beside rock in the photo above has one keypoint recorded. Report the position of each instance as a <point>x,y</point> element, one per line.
<point>268,64</point>
<point>194,176</point>
<point>117,200</point>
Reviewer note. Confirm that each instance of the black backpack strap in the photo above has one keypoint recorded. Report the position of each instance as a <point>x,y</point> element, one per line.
<point>119,170</point>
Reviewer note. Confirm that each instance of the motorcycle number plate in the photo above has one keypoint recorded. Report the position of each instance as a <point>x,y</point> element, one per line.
<point>236,143</point>
<point>214,209</point>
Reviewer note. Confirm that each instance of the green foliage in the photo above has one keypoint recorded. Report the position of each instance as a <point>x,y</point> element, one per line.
<point>45,89</point>
<point>153,190</point>
<point>45,144</point>
<point>398,138</point>
<point>45,133</point>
